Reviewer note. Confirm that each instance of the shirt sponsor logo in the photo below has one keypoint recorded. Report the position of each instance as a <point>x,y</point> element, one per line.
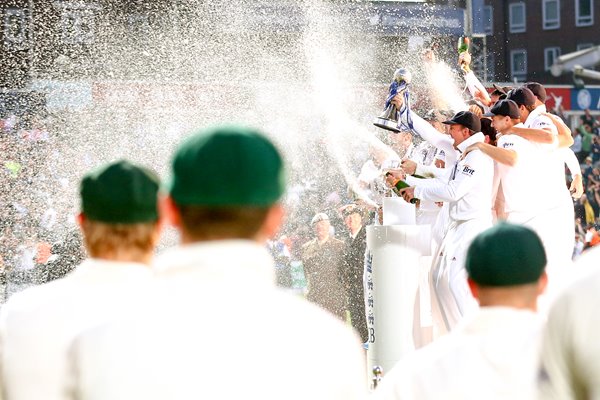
<point>505,145</point>
<point>468,170</point>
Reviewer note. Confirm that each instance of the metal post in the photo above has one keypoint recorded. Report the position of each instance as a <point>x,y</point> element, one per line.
<point>469,18</point>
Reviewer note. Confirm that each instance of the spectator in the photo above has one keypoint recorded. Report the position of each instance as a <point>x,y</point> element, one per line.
<point>576,146</point>
<point>596,149</point>
<point>587,168</point>
<point>352,273</point>
<point>586,139</point>
<point>592,237</point>
<point>322,262</point>
<point>587,118</point>
<point>579,245</point>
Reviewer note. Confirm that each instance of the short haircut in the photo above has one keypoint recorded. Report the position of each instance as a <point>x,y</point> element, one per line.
<point>487,129</point>
<point>101,238</point>
<point>210,223</point>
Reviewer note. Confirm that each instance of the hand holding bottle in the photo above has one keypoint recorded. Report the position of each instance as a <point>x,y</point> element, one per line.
<point>408,194</point>
<point>393,176</point>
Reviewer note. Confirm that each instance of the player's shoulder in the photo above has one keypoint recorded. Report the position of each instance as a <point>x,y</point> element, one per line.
<point>543,122</point>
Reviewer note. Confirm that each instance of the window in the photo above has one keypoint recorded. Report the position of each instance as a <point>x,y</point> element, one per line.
<point>488,20</point>
<point>77,22</point>
<point>15,27</point>
<point>518,64</point>
<point>550,56</point>
<point>516,16</point>
<point>584,12</point>
<point>551,14</point>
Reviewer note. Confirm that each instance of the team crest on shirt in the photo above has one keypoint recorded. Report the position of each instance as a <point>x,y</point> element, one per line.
<point>505,145</point>
<point>467,170</point>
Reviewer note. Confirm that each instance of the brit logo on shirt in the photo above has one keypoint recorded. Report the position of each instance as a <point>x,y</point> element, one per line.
<point>468,170</point>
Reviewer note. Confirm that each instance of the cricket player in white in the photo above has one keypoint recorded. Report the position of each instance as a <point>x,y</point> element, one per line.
<point>516,164</point>
<point>469,194</point>
<point>554,222</point>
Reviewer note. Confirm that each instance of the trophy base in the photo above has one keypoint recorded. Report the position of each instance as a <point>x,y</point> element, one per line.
<point>388,124</point>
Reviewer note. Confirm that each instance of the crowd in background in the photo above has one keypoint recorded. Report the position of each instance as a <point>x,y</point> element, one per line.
<point>586,147</point>
<point>36,247</point>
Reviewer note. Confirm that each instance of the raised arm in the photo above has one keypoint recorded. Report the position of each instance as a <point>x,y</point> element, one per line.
<point>503,156</point>
<point>433,136</point>
<point>565,137</point>
<point>539,135</point>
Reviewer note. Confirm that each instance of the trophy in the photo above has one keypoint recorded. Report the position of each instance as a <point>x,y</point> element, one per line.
<point>399,86</point>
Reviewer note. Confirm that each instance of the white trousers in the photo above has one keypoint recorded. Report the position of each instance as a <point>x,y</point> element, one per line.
<point>556,229</point>
<point>450,291</point>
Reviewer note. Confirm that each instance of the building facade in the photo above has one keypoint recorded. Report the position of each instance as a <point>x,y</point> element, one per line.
<point>525,37</point>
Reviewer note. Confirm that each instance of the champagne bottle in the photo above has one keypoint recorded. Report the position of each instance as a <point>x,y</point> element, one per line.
<point>401,185</point>
<point>463,44</point>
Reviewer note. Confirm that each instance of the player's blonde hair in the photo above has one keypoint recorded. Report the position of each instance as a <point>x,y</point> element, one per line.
<point>103,239</point>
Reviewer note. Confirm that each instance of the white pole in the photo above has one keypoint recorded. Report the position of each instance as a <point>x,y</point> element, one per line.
<point>393,271</point>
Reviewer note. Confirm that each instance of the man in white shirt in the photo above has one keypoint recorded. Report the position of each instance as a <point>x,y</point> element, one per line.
<point>120,225</point>
<point>517,161</point>
<point>218,327</point>
<point>494,353</point>
<point>469,194</point>
<point>555,222</point>
<point>570,367</point>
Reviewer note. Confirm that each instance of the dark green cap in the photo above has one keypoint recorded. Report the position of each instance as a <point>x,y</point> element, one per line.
<point>227,166</point>
<point>506,255</point>
<point>120,193</point>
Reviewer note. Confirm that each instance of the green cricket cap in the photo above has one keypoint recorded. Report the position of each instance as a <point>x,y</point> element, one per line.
<point>120,193</point>
<point>227,166</point>
<point>506,255</point>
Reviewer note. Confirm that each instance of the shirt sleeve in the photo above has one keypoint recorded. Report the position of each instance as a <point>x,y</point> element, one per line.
<point>466,177</point>
<point>473,83</point>
<point>432,170</point>
<point>543,122</point>
<point>571,161</point>
<point>412,181</point>
<point>433,136</point>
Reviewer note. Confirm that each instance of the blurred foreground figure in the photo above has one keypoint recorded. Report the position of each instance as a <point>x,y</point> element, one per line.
<point>219,328</point>
<point>494,354</point>
<point>571,350</point>
<point>119,221</point>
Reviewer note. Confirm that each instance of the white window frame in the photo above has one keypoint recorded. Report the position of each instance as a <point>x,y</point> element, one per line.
<point>20,38</point>
<point>488,24</point>
<point>587,20</point>
<point>513,28</point>
<point>514,73</point>
<point>548,61</point>
<point>548,24</point>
